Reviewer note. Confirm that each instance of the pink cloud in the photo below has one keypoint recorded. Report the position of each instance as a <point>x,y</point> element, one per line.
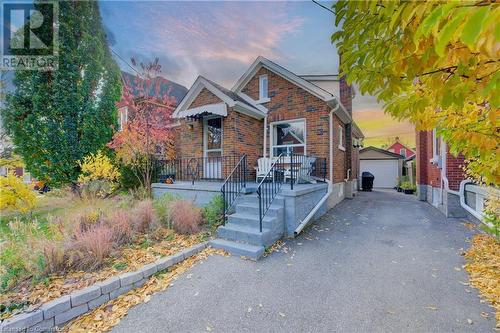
<point>215,36</point>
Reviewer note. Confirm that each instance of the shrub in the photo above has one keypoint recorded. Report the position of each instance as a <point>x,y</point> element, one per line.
<point>162,208</point>
<point>54,254</point>
<point>15,194</point>
<point>88,219</point>
<point>213,212</point>
<point>121,223</point>
<point>12,266</point>
<point>98,175</point>
<point>89,249</point>
<point>186,217</point>
<point>144,216</point>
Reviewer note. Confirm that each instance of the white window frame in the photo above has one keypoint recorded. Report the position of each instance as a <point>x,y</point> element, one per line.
<point>341,138</point>
<point>272,139</point>
<point>437,156</point>
<point>263,93</point>
<point>402,152</point>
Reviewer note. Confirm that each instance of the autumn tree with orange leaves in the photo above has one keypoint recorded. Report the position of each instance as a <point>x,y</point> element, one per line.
<point>147,135</point>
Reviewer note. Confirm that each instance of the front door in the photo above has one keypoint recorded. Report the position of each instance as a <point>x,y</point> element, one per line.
<point>212,147</point>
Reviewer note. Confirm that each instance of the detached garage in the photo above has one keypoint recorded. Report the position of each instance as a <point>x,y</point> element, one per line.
<point>386,166</point>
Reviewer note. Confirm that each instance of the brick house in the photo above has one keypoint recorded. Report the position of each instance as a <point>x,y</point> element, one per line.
<point>399,148</point>
<point>439,174</point>
<point>267,106</point>
<point>273,113</point>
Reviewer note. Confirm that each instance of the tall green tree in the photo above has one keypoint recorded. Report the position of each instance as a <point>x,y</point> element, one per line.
<point>55,118</point>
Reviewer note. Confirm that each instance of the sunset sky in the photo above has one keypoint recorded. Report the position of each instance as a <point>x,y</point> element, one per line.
<point>221,39</point>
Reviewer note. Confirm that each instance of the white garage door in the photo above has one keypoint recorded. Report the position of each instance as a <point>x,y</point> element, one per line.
<point>385,172</point>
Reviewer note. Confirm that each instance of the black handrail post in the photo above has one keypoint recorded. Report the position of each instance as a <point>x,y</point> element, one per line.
<point>291,171</point>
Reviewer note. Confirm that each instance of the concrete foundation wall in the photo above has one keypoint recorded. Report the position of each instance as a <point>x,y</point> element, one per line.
<point>338,194</point>
<point>200,196</point>
<point>299,203</point>
<point>447,202</point>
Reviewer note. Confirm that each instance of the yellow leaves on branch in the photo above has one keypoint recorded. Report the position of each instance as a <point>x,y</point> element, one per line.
<point>435,63</point>
<point>98,167</point>
<point>15,195</point>
<point>483,265</point>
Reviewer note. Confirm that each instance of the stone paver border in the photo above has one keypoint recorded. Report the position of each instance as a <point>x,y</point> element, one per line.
<point>57,312</point>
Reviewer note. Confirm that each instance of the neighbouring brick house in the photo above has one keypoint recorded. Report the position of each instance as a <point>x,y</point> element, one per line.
<point>272,111</point>
<point>439,174</point>
<point>399,148</point>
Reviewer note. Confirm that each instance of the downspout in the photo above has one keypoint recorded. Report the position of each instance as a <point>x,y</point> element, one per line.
<point>309,216</point>
<point>265,137</point>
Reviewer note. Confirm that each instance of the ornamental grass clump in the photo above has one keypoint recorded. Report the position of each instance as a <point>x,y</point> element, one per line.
<point>186,217</point>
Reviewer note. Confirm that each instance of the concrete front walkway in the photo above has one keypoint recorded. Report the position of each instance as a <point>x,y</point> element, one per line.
<point>383,262</point>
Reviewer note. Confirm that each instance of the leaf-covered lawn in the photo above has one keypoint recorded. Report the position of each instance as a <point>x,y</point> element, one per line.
<point>483,265</point>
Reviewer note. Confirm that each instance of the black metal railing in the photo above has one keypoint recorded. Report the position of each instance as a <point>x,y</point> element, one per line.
<point>270,186</point>
<point>304,168</point>
<point>196,168</point>
<point>234,184</point>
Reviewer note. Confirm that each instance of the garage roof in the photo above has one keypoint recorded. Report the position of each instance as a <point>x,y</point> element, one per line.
<point>388,154</point>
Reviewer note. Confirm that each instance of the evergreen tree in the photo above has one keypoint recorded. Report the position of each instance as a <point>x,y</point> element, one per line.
<point>55,118</point>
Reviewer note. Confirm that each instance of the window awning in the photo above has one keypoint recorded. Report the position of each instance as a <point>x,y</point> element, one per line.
<point>219,109</point>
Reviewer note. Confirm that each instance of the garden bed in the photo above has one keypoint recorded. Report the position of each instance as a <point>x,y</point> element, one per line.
<point>47,255</point>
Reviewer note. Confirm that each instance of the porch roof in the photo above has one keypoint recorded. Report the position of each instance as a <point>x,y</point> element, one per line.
<point>228,98</point>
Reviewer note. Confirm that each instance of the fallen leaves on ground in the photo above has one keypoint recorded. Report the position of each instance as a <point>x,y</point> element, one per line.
<point>483,265</point>
<point>130,258</point>
<point>105,317</point>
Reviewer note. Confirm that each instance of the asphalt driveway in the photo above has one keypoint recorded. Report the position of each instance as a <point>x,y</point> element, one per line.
<point>382,262</point>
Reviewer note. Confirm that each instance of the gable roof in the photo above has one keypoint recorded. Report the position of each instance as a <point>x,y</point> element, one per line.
<point>308,86</point>
<point>382,151</point>
<point>228,97</point>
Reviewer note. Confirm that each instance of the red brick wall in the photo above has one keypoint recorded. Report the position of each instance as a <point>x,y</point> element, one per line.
<point>190,139</point>
<point>289,102</point>
<point>454,170</point>
<point>395,148</point>
<point>428,174</point>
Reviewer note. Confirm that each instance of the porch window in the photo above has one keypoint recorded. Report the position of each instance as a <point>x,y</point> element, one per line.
<point>214,134</point>
<point>288,137</point>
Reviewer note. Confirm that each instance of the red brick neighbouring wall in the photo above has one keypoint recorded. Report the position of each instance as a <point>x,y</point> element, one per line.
<point>429,174</point>
<point>454,170</point>
<point>289,102</point>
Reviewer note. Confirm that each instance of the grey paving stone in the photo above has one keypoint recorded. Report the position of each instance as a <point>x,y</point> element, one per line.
<point>129,278</point>
<point>164,263</point>
<point>98,301</point>
<point>122,290</point>
<point>140,283</point>
<point>22,321</point>
<point>193,250</point>
<point>43,326</point>
<point>70,314</point>
<point>83,296</point>
<point>149,270</point>
<point>109,285</point>
<point>55,307</point>
<point>177,258</point>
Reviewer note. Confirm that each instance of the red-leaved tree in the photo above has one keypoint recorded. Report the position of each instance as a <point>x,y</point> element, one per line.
<point>147,134</point>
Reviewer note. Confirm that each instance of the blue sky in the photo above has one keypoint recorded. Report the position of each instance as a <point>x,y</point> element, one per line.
<point>221,39</point>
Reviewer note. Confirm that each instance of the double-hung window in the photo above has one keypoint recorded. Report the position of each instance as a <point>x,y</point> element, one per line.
<point>288,137</point>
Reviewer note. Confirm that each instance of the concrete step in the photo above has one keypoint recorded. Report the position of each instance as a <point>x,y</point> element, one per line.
<point>252,220</point>
<point>243,233</point>
<point>253,252</point>
<point>275,210</point>
<point>254,199</point>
